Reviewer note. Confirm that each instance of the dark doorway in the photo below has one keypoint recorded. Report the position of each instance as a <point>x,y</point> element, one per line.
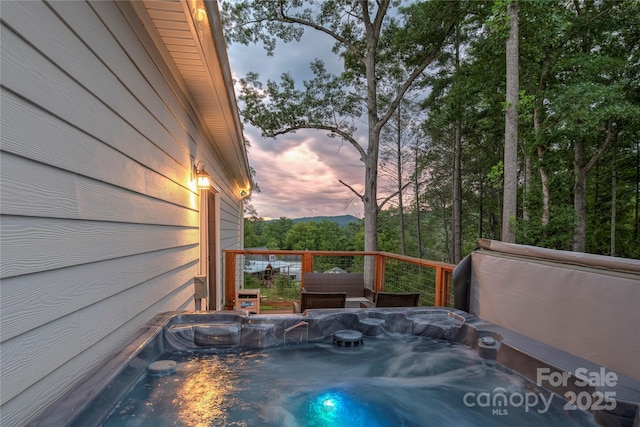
<point>211,249</point>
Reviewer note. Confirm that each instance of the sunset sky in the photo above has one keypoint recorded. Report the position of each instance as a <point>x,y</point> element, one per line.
<point>298,173</point>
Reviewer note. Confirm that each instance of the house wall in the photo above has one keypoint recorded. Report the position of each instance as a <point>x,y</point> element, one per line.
<point>99,213</point>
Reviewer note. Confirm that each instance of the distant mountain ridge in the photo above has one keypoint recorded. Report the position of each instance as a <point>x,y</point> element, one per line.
<point>342,220</point>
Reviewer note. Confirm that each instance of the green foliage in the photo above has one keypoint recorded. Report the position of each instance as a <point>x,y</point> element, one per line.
<point>578,84</point>
<point>577,65</point>
<point>284,288</point>
<point>313,235</point>
<point>270,234</point>
<point>283,283</point>
<point>496,175</point>
<point>324,235</point>
<point>498,22</point>
<point>251,281</point>
<point>557,235</point>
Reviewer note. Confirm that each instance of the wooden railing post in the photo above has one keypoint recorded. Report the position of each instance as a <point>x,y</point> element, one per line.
<point>229,280</point>
<point>440,288</point>
<point>307,265</point>
<point>379,279</point>
<point>446,289</point>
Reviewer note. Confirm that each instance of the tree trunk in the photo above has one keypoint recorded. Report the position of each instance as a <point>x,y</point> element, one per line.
<point>580,187</point>
<point>614,195</point>
<point>480,212</point>
<point>417,192</point>
<point>579,199</point>
<point>537,125</point>
<point>403,246</point>
<point>546,193</point>
<point>510,191</point>
<point>370,194</point>
<point>493,225</point>
<point>369,199</point>
<point>447,249</point>
<point>544,176</point>
<point>457,179</point>
<point>527,187</point>
<point>457,194</point>
<point>636,210</point>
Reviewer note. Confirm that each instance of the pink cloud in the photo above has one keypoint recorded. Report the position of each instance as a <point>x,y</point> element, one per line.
<point>299,176</point>
<point>299,173</point>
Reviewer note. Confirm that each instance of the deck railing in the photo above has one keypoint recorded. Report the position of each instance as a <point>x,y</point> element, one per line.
<point>280,274</point>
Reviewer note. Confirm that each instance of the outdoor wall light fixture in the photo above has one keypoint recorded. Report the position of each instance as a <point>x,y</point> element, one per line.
<point>203,180</point>
<point>245,193</point>
<point>200,14</point>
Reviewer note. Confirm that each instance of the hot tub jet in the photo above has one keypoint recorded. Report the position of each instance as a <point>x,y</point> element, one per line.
<point>347,338</point>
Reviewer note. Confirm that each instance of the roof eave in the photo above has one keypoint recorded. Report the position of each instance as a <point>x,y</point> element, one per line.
<point>190,33</point>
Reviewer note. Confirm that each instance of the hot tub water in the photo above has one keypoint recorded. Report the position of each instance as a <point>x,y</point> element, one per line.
<point>390,381</point>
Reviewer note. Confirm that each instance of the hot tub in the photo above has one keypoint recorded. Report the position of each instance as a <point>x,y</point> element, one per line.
<point>453,366</point>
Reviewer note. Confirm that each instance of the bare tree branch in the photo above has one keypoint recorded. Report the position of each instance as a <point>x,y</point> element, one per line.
<point>346,136</point>
<point>358,195</point>
<point>392,195</point>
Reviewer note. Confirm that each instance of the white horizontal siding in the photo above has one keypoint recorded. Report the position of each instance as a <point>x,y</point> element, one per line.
<point>57,293</point>
<point>100,222</point>
<point>30,244</point>
<point>57,342</point>
<point>18,410</point>
<point>230,217</point>
<point>55,91</point>
<point>33,133</point>
<point>34,189</point>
